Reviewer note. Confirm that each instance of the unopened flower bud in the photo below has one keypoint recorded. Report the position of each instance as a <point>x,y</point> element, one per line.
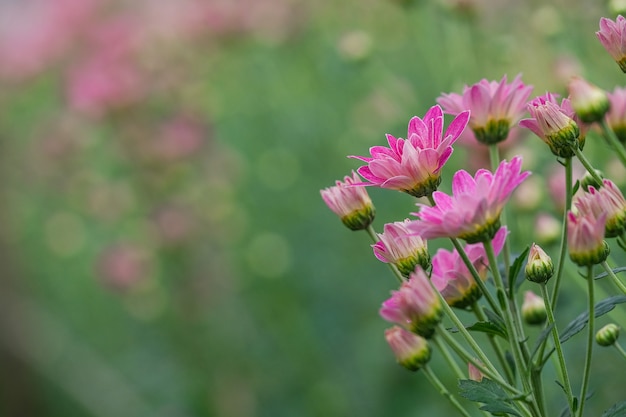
<point>607,335</point>
<point>589,101</point>
<point>412,351</point>
<point>539,267</point>
<point>350,202</point>
<point>533,309</point>
<point>589,181</point>
<point>585,238</point>
<point>473,373</point>
<point>398,246</point>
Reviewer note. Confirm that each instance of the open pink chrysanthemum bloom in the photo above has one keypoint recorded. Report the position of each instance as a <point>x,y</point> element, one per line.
<point>401,248</point>
<point>612,35</point>
<point>453,279</point>
<point>350,202</point>
<point>473,211</point>
<point>616,116</point>
<point>607,200</point>
<point>495,107</point>
<point>413,165</point>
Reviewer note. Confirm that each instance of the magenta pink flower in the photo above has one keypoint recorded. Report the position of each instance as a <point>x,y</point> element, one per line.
<point>401,248</point>
<point>473,211</point>
<point>411,351</point>
<point>616,116</point>
<point>415,306</point>
<point>350,202</point>
<point>555,124</point>
<point>495,107</point>
<point>607,200</point>
<point>413,165</point>
<point>585,238</point>
<point>589,101</point>
<point>612,35</point>
<point>453,279</point>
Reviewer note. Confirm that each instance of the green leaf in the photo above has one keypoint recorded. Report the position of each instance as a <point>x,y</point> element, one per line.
<point>580,322</point>
<point>514,271</point>
<point>615,271</point>
<point>488,392</point>
<point>489,328</point>
<point>541,339</point>
<point>617,410</point>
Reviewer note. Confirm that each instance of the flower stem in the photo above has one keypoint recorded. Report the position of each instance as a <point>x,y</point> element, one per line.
<point>448,358</point>
<point>494,157</point>
<point>614,142</point>
<point>590,334</point>
<point>494,343</point>
<point>620,349</point>
<point>583,159</point>
<point>432,378</point>
<point>563,248</point>
<point>612,275</point>
<point>559,349</point>
<point>372,233</point>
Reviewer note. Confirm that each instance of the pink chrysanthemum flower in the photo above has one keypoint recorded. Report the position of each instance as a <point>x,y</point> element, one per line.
<point>411,351</point>
<point>533,309</point>
<point>616,116</point>
<point>453,279</point>
<point>612,35</point>
<point>585,238</point>
<point>495,107</point>
<point>607,200</point>
<point>415,306</point>
<point>401,248</point>
<point>473,211</point>
<point>555,124</point>
<point>413,165</point>
<point>589,101</point>
<point>350,202</point>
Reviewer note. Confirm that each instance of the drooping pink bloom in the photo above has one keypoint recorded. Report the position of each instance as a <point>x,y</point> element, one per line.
<point>555,124</point>
<point>612,35</point>
<point>453,279</point>
<point>607,200</point>
<point>495,107</point>
<point>473,211</point>
<point>413,165</point>
<point>411,351</point>
<point>350,202</point>
<point>585,238</point>
<point>415,306</point>
<point>401,248</point>
<point>616,116</point>
<point>589,101</point>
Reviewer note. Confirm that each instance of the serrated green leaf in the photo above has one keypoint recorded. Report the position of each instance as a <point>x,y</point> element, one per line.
<point>500,407</point>
<point>489,328</point>
<point>580,322</point>
<point>617,410</point>
<point>615,271</point>
<point>514,271</point>
<point>541,339</point>
<point>489,393</point>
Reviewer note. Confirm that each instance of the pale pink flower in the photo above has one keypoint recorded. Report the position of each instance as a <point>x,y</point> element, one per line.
<point>616,116</point>
<point>415,306</point>
<point>495,107</point>
<point>607,200</point>
<point>612,35</point>
<point>453,279</point>
<point>411,351</point>
<point>350,202</point>
<point>585,238</point>
<point>473,211</point>
<point>474,373</point>
<point>401,248</point>
<point>555,124</point>
<point>414,165</point>
<point>589,101</point>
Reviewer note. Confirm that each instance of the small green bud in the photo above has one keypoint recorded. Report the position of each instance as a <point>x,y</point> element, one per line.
<point>533,309</point>
<point>589,101</point>
<point>607,335</point>
<point>412,351</point>
<point>539,267</point>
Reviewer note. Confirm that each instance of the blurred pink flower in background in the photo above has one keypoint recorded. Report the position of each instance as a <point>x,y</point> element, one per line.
<point>122,266</point>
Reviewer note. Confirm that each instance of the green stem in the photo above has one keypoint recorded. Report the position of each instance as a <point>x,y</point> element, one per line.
<point>614,142</point>
<point>590,338</point>
<point>494,157</point>
<point>612,275</point>
<point>448,358</point>
<point>619,349</point>
<point>372,233</point>
<point>563,248</point>
<point>494,343</point>
<point>559,349</point>
<point>432,378</point>
<point>583,160</point>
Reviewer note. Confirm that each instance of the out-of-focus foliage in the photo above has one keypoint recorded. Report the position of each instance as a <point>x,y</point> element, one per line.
<point>165,250</point>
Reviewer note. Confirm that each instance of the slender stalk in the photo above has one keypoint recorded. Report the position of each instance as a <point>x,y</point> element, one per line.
<point>372,233</point>
<point>620,349</point>
<point>613,277</point>
<point>563,248</point>
<point>494,343</point>
<point>590,337</point>
<point>559,349</point>
<point>613,141</point>
<point>583,159</point>
<point>447,357</point>
<point>432,378</point>
<point>494,157</point>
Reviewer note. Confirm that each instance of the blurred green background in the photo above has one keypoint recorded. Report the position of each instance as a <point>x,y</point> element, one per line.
<point>165,250</point>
